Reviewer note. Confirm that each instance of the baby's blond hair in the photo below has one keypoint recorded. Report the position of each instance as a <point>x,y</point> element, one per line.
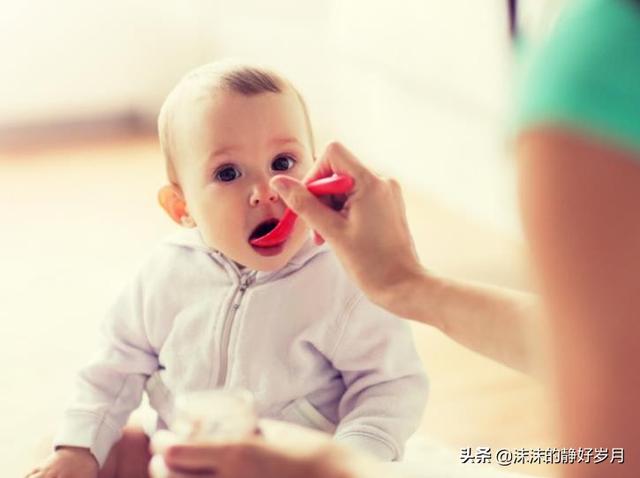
<point>208,79</point>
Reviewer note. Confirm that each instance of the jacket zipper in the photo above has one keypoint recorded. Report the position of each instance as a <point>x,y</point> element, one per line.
<point>227,325</point>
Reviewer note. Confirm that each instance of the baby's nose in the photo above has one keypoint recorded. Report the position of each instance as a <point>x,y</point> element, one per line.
<point>263,194</point>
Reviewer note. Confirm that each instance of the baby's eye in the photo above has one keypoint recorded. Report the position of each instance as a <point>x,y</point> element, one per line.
<point>227,174</point>
<point>283,163</point>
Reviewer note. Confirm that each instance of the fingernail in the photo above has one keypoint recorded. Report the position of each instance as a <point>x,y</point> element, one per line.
<point>280,185</point>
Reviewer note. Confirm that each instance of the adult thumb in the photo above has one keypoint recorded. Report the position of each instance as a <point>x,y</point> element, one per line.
<point>297,197</point>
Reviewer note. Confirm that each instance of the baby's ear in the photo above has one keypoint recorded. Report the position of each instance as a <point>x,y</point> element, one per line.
<point>172,201</point>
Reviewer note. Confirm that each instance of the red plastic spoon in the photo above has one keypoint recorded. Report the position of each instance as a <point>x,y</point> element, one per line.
<point>336,184</point>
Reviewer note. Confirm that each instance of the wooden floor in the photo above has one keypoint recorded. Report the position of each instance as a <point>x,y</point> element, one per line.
<point>78,217</point>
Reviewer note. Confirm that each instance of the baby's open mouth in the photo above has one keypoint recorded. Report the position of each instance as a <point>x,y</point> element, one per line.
<point>263,228</point>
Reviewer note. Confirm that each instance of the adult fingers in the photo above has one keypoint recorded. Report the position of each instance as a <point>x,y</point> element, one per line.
<point>175,458</point>
<point>166,445</point>
<point>336,158</point>
<point>159,469</point>
<point>317,215</point>
<point>209,457</point>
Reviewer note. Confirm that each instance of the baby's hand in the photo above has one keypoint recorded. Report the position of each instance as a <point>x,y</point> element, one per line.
<point>67,462</point>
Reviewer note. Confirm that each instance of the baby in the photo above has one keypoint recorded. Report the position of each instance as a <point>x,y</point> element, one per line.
<point>208,309</point>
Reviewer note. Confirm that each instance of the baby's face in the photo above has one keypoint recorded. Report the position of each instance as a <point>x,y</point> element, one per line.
<point>229,147</point>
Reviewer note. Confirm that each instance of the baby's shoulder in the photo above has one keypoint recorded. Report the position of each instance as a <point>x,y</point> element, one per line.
<point>176,260</point>
<point>345,304</point>
<point>324,276</point>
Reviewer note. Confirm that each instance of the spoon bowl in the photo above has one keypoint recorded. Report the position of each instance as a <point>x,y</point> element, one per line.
<point>335,184</point>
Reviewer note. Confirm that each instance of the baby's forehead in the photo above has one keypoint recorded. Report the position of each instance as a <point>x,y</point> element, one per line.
<point>209,120</point>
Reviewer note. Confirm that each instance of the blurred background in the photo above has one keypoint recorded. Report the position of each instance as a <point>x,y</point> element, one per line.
<point>419,89</point>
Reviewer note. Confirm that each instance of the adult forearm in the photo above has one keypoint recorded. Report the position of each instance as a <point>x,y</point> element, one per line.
<point>499,323</point>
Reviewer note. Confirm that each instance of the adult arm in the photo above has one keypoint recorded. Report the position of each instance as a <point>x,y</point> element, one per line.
<point>371,237</point>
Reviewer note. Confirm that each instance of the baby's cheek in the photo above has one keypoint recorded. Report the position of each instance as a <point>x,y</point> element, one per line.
<point>219,212</point>
<point>228,228</point>
<point>218,230</point>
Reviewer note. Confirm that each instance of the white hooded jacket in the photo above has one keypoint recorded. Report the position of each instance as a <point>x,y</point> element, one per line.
<point>303,339</point>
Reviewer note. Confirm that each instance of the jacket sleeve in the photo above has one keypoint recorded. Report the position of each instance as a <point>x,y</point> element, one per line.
<point>110,387</point>
<point>386,387</point>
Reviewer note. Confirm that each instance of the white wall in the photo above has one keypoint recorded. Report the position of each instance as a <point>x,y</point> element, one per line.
<point>423,94</point>
<point>75,58</point>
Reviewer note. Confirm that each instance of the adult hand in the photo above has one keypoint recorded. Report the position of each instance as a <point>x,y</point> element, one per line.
<point>283,451</point>
<point>369,234</point>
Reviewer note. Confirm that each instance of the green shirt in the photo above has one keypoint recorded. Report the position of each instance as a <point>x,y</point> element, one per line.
<point>586,74</point>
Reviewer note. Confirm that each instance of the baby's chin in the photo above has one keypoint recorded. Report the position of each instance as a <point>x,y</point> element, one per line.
<point>269,259</point>
<point>265,259</point>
